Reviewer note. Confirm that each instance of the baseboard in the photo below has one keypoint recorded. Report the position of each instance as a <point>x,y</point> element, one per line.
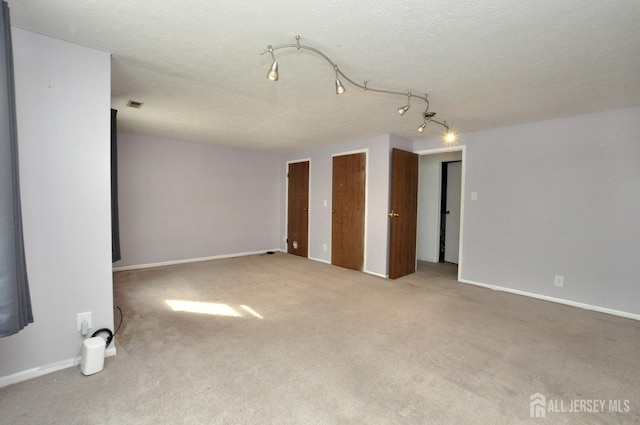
<point>43,370</point>
<point>555,300</point>
<point>319,260</point>
<point>384,276</point>
<point>363,271</point>
<point>191,260</point>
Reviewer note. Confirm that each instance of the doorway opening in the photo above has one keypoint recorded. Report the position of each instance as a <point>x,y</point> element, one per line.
<point>441,190</point>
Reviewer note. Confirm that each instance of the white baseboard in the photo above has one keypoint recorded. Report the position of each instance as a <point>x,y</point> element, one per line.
<point>319,260</point>
<point>363,271</point>
<point>191,260</point>
<point>43,370</point>
<point>556,300</point>
<point>384,276</point>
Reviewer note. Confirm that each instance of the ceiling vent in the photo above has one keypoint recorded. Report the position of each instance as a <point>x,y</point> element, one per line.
<point>135,104</point>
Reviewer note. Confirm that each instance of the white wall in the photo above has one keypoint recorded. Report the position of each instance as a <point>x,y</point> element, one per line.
<point>320,189</point>
<point>63,107</point>
<point>559,197</point>
<point>181,201</point>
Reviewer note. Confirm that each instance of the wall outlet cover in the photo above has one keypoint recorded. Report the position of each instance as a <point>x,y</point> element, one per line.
<point>558,281</point>
<point>86,317</point>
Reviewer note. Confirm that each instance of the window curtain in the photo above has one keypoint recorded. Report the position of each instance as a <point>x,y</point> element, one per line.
<point>115,224</point>
<point>15,302</point>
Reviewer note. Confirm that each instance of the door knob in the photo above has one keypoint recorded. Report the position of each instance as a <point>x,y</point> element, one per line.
<point>393,214</point>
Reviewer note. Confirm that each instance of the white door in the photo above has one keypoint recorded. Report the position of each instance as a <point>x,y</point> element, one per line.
<point>452,224</point>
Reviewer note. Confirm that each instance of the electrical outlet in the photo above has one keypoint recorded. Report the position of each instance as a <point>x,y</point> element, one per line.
<point>558,281</point>
<point>86,317</point>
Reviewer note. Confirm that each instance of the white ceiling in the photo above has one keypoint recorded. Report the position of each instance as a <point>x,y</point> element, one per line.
<point>197,67</point>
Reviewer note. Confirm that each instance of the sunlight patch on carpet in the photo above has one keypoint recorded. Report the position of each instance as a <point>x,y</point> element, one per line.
<point>251,311</point>
<point>217,309</point>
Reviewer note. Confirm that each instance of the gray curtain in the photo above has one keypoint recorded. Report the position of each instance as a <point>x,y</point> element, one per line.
<point>15,303</point>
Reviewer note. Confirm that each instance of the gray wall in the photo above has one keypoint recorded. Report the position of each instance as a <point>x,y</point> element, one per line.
<point>63,97</point>
<point>182,200</point>
<point>559,197</point>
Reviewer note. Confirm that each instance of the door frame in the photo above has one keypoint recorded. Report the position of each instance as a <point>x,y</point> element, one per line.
<point>366,201</point>
<point>286,200</point>
<point>462,149</point>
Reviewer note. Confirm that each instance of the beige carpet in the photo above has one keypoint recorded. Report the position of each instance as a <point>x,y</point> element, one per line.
<point>295,341</point>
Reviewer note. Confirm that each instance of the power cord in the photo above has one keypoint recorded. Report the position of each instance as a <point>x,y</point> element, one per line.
<point>115,307</point>
<point>77,361</point>
<point>110,334</point>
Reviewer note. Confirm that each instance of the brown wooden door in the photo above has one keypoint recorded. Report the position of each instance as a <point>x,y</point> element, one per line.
<point>348,202</point>
<point>403,216</point>
<point>298,208</point>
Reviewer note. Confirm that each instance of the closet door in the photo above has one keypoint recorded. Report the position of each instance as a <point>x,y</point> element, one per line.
<point>348,202</point>
<point>298,208</point>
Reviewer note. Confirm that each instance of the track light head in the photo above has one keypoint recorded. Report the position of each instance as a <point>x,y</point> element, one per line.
<point>449,135</point>
<point>273,71</point>
<point>339,87</point>
<point>423,126</point>
<point>402,110</point>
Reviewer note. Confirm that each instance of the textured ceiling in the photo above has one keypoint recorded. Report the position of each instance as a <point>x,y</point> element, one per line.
<point>197,67</point>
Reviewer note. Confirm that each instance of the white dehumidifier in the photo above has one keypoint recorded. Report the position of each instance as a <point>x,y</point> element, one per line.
<point>93,355</point>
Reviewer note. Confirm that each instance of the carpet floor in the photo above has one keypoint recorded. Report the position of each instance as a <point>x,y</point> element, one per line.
<point>277,339</point>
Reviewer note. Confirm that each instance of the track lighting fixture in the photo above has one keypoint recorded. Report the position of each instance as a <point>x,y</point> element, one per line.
<point>428,116</point>
<point>273,71</point>
<point>339,87</point>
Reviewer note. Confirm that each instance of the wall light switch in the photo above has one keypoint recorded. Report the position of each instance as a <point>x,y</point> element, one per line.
<point>474,196</point>
<point>324,203</point>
